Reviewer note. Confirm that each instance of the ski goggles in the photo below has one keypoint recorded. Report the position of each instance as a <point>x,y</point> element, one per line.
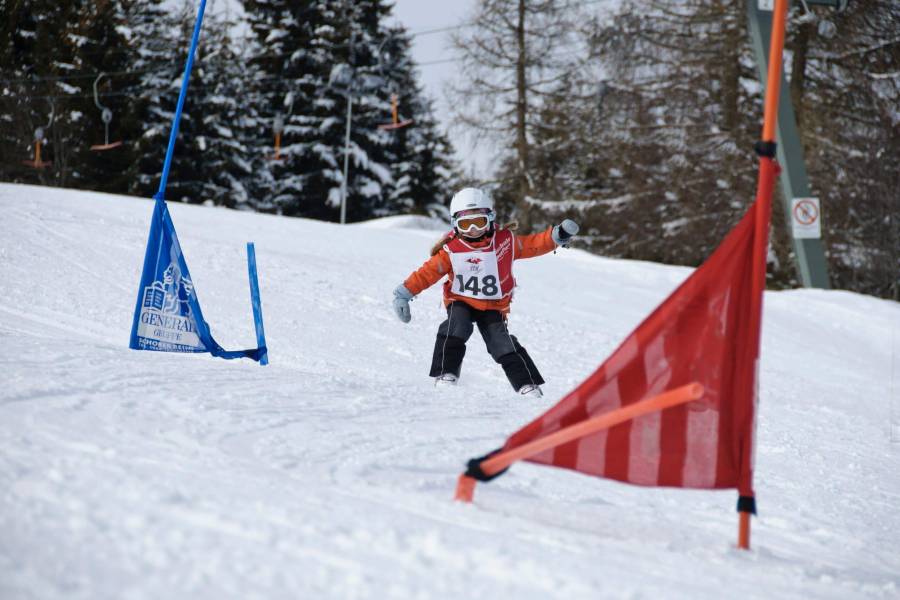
<point>473,222</point>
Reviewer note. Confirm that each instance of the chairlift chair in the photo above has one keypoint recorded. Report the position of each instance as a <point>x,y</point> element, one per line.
<point>395,123</point>
<point>106,115</point>
<point>278,126</point>
<point>37,163</point>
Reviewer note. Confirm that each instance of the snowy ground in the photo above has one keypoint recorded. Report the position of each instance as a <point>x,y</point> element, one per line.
<point>329,473</point>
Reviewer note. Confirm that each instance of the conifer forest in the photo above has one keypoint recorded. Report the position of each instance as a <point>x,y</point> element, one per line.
<point>635,118</point>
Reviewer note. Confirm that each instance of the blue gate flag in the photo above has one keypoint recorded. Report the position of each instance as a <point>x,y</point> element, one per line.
<point>167,316</point>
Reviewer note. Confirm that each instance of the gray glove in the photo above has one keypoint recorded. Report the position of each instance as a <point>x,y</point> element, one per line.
<point>402,296</point>
<point>564,232</point>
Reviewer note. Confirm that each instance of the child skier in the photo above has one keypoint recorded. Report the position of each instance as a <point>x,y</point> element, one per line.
<point>477,258</point>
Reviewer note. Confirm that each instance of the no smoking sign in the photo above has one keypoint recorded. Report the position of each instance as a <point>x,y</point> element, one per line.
<point>806,221</point>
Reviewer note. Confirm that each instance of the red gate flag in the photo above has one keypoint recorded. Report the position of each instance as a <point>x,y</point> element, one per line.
<point>675,404</point>
<point>706,332</point>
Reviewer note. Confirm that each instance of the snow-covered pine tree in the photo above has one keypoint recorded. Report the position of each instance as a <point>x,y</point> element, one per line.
<point>349,37</point>
<point>22,57</point>
<point>316,52</point>
<point>288,65</point>
<point>210,162</point>
<point>36,61</point>
<point>56,50</point>
<point>228,124</point>
<point>187,177</point>
<point>158,62</point>
<point>425,174</point>
<point>99,42</point>
<point>300,51</point>
<point>219,119</point>
<point>360,34</point>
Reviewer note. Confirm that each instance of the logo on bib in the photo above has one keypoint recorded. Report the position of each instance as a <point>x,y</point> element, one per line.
<point>166,316</point>
<point>503,249</point>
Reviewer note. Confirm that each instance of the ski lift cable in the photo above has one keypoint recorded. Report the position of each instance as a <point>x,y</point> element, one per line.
<point>198,85</point>
<point>428,63</point>
<point>54,78</point>
<point>142,72</point>
<point>176,64</point>
<point>62,78</point>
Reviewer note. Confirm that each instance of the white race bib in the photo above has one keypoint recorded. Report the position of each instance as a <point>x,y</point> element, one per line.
<point>475,275</point>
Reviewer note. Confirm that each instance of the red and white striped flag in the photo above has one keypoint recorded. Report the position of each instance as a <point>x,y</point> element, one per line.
<point>707,332</point>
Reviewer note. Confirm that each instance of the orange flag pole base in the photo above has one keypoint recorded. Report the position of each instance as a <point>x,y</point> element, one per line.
<point>465,488</point>
<point>495,463</point>
<point>744,531</point>
<point>746,507</point>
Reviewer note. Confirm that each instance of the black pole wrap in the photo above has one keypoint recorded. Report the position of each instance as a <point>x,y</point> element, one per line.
<point>473,468</point>
<point>746,504</point>
<point>766,149</point>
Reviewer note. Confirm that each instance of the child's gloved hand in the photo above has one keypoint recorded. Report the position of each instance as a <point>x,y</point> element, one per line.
<point>564,232</point>
<point>402,296</point>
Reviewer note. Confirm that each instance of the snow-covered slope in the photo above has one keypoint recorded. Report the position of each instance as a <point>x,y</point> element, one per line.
<point>329,473</point>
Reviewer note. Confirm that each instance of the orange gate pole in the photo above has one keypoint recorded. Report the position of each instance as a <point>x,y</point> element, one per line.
<point>465,488</point>
<point>767,174</point>
<point>773,77</point>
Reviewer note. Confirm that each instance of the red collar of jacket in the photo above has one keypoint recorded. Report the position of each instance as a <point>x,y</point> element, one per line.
<point>485,241</point>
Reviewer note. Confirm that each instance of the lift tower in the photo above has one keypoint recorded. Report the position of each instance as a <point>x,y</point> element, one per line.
<point>803,214</point>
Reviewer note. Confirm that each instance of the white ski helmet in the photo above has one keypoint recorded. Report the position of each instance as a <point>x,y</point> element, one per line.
<point>469,198</point>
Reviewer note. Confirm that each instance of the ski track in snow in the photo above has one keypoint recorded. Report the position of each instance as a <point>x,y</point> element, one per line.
<point>330,472</point>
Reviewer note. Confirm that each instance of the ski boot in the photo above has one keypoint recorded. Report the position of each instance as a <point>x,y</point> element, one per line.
<point>529,389</point>
<point>445,380</point>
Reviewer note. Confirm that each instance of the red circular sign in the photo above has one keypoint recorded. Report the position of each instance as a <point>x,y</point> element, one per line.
<point>806,212</point>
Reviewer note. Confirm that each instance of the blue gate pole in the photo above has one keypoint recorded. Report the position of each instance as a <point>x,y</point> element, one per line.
<point>257,306</point>
<point>161,194</point>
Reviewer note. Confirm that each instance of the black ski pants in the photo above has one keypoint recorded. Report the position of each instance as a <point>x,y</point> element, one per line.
<point>450,345</point>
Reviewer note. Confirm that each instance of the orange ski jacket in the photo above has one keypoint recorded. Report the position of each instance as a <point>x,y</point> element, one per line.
<point>439,265</point>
